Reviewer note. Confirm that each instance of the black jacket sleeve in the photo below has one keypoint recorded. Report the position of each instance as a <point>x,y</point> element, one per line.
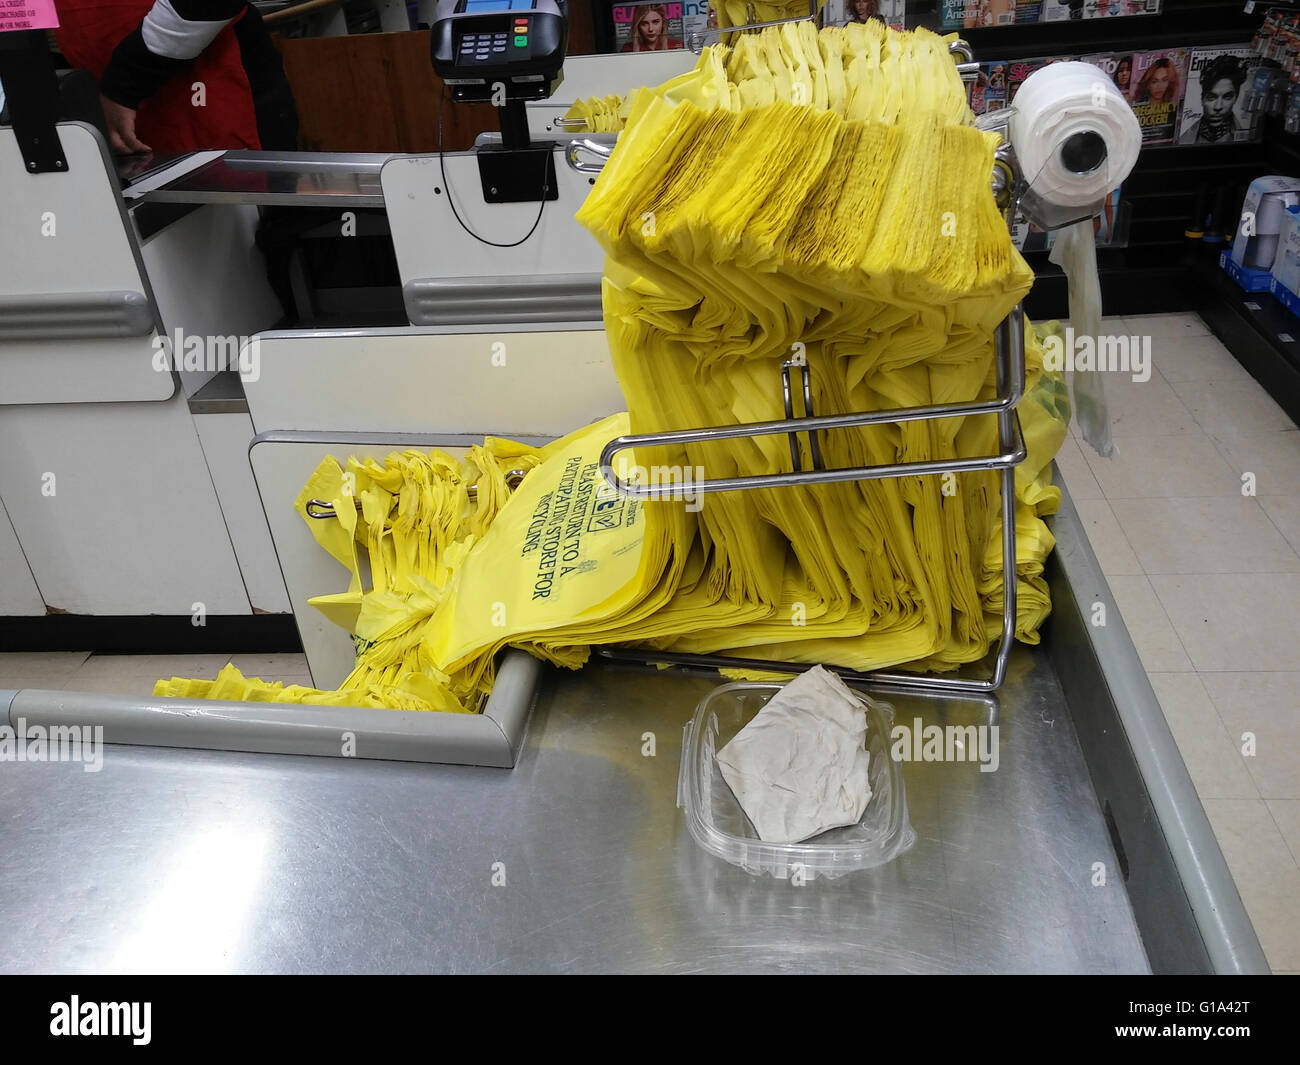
<point>166,42</point>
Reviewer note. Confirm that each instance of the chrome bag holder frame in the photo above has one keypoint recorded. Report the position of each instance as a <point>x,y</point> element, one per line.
<point>1010,362</point>
<point>1010,367</point>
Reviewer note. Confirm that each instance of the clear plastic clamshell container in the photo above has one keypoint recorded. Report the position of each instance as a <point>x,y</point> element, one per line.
<point>717,823</point>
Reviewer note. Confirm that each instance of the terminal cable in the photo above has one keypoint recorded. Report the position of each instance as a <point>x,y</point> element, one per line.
<point>442,166</point>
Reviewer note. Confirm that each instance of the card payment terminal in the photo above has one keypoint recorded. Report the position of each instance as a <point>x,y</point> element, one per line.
<point>498,50</point>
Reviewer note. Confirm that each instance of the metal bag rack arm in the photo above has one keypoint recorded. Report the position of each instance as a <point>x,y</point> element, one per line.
<point>1006,184</point>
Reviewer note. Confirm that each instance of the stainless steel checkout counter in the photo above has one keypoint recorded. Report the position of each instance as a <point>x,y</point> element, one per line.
<point>577,858</point>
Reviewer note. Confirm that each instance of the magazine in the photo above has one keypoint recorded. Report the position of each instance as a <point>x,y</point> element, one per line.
<point>952,13</point>
<point>1061,10</point>
<point>696,20</point>
<point>1213,111</point>
<point>1119,8</point>
<point>1118,66</point>
<point>1017,71</point>
<point>842,12</point>
<point>994,78</point>
<point>649,27</point>
<point>970,14</point>
<point>1027,237</point>
<point>1157,87</point>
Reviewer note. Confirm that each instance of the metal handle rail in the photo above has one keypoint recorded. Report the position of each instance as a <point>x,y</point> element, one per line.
<point>1009,343</point>
<point>321,509</point>
<point>1010,369</point>
<point>599,148</point>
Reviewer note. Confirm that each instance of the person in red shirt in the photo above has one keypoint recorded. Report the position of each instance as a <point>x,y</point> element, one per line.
<point>181,75</point>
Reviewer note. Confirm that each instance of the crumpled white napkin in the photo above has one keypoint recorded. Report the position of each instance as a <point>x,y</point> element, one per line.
<point>800,766</point>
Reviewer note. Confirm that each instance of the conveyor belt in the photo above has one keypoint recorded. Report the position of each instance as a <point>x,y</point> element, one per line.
<point>286,179</point>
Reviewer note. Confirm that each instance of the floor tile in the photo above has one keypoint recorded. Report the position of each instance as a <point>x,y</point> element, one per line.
<point>1224,407</point>
<point>1166,325</point>
<point>1266,875</point>
<point>1185,465</point>
<point>1196,359</point>
<point>1212,756</point>
<point>1140,409</point>
<point>272,667</point>
<point>1238,621</point>
<point>1273,457</point>
<point>1111,325</point>
<point>41,661</point>
<point>1076,475</point>
<point>1203,536</point>
<point>1154,637</point>
<point>1112,549</point>
<point>137,674</point>
<point>1267,705</point>
<point>39,669</point>
<point>1286,815</point>
<point>1284,513</point>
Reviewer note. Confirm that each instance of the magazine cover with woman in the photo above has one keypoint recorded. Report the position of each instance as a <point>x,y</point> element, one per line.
<point>842,12</point>
<point>970,14</point>
<point>1118,66</point>
<point>649,27</point>
<point>1157,90</point>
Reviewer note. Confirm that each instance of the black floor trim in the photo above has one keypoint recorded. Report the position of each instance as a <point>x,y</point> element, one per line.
<point>152,634</point>
<point>1260,333</point>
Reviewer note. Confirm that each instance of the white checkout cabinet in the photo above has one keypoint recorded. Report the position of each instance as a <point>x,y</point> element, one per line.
<point>125,484</point>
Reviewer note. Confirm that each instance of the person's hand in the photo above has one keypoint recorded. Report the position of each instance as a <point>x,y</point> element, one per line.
<point>121,128</point>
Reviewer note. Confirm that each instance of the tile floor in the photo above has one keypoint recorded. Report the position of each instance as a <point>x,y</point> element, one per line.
<point>1207,579</point>
<point>137,674</point>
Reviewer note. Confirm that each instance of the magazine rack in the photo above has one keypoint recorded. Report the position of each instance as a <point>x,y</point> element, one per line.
<point>1010,369</point>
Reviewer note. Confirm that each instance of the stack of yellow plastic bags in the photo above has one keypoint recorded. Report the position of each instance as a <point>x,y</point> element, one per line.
<point>417,515</point>
<point>748,12</point>
<point>821,196</point>
<point>598,114</point>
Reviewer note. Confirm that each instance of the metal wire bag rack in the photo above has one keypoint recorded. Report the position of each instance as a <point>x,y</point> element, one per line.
<point>1010,367</point>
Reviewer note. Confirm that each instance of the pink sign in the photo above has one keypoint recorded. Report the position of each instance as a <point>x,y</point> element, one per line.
<point>27,15</point>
